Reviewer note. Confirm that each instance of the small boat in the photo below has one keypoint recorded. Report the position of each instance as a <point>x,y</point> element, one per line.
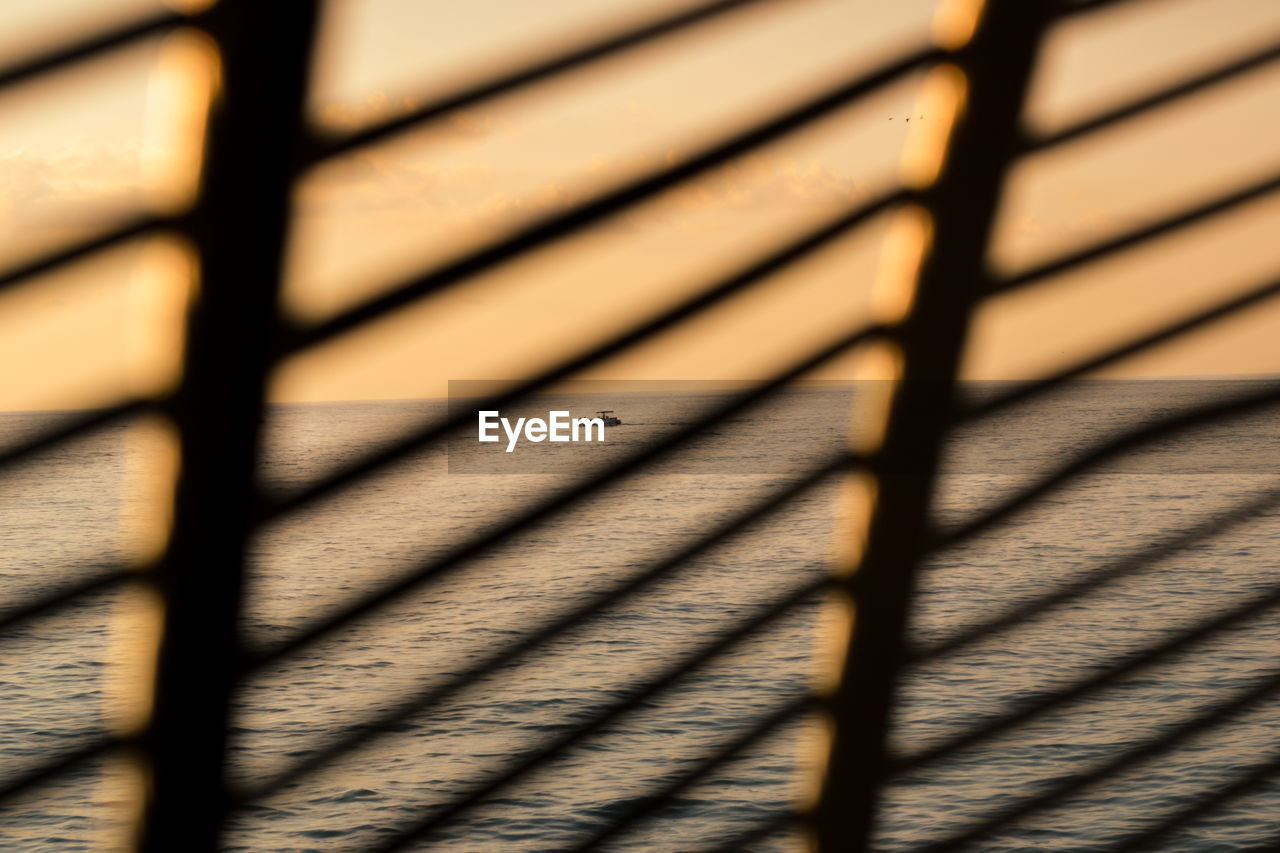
<point>608,418</point>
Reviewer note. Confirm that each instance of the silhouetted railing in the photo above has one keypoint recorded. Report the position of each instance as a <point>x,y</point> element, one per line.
<point>259,144</point>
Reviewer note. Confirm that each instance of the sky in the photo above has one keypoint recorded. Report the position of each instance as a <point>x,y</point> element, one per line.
<point>99,143</point>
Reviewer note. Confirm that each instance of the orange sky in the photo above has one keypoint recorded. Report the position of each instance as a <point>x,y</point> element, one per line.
<point>80,151</point>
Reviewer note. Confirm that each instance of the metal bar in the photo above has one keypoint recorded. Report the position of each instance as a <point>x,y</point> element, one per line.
<point>602,49</point>
<point>1133,663</point>
<point>74,427</point>
<point>1099,577</point>
<point>12,617</point>
<point>1254,295</point>
<point>759,832</point>
<point>663,796</point>
<point>135,227</point>
<point>1128,441</point>
<point>736,282</point>
<point>200,659</point>
<point>1066,8</point>
<point>1205,804</point>
<point>61,57</point>
<point>1242,701</point>
<point>592,212</point>
<point>564,499</point>
<point>420,701</point>
<point>239,227</point>
<point>1111,245</point>
<point>997,65</point>
<point>535,758</point>
<point>55,768</point>
<point>1205,80</point>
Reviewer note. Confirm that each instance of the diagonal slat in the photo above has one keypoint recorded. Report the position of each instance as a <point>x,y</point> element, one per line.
<point>736,282</point>
<point>61,57</point>
<point>1206,804</point>
<point>104,581</point>
<point>562,500</point>
<point>1132,664</point>
<point>1074,7</point>
<point>135,227</point>
<point>759,832</point>
<point>1253,296</point>
<point>530,761</point>
<point>1134,439</point>
<point>590,213</point>
<point>651,803</point>
<point>1136,236</point>
<point>1242,701</point>
<point>617,199</point>
<point>535,73</point>
<point>71,429</point>
<point>534,640</point>
<point>1221,74</point>
<point>55,768</point>
<point>1098,578</point>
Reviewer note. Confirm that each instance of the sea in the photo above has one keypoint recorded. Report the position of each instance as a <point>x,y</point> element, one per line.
<point>1099,541</point>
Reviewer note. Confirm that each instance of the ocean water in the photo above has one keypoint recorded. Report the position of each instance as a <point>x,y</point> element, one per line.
<point>68,512</point>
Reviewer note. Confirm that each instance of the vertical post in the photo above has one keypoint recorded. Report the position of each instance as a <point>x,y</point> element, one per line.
<point>238,227</point>
<point>996,61</point>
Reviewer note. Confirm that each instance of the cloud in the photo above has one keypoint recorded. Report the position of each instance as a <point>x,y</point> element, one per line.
<point>51,196</point>
<point>63,181</point>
